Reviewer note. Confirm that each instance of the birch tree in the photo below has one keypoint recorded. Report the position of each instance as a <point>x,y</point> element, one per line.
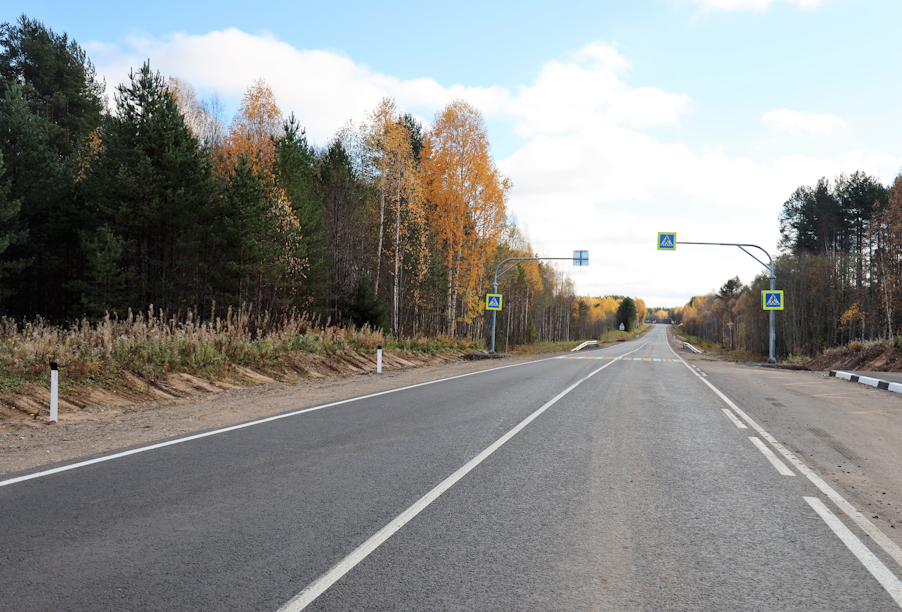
<point>467,198</point>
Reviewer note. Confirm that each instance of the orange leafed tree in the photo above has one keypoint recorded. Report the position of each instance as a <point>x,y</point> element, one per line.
<point>252,135</point>
<point>252,130</point>
<point>467,198</point>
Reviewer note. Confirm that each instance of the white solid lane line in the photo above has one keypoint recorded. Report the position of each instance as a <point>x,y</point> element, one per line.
<point>890,547</point>
<point>72,466</point>
<point>319,586</point>
<point>874,565</point>
<point>781,467</point>
<point>733,418</point>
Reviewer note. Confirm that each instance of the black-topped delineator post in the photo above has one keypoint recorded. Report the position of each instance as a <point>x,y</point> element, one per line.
<point>54,392</point>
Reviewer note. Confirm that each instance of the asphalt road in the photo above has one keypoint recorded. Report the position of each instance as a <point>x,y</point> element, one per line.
<point>621,481</point>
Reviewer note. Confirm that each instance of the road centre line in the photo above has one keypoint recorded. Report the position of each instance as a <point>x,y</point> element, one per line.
<point>890,547</point>
<point>884,576</point>
<point>734,418</point>
<point>775,461</point>
<point>134,451</point>
<point>321,584</point>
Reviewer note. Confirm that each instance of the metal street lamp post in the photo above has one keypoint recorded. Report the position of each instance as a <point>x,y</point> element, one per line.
<point>772,335</point>
<point>580,258</point>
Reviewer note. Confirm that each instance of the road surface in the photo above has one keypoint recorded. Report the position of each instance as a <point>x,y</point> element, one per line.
<point>618,479</point>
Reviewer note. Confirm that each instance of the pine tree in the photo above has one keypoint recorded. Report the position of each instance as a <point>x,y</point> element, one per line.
<point>152,183</point>
<point>295,175</point>
<point>11,233</point>
<point>51,101</point>
<point>253,269</point>
<point>58,80</point>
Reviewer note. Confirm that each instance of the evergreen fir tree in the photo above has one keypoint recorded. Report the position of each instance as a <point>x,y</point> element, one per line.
<point>153,185</point>
<point>11,233</point>
<point>295,173</point>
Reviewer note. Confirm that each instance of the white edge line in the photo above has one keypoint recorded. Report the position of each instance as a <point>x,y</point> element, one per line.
<point>882,540</point>
<point>886,578</point>
<point>733,418</point>
<point>775,461</point>
<point>134,451</point>
<point>321,584</point>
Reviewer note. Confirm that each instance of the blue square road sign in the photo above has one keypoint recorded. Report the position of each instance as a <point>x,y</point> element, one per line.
<point>667,241</point>
<point>772,300</point>
<point>493,301</point>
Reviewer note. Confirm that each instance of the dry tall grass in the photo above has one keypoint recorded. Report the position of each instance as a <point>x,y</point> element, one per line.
<point>155,343</point>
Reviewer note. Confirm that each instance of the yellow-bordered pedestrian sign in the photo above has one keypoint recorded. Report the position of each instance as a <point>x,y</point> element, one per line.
<point>493,301</point>
<point>667,241</point>
<point>772,300</point>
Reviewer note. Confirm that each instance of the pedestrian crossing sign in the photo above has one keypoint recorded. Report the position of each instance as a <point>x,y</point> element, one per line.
<point>667,241</point>
<point>493,301</point>
<point>772,300</point>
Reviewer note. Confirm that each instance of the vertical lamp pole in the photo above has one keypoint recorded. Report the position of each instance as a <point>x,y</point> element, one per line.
<point>580,258</point>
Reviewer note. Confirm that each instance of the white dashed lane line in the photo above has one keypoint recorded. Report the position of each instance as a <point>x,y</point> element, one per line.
<point>874,565</point>
<point>886,578</point>
<point>769,454</point>
<point>733,418</point>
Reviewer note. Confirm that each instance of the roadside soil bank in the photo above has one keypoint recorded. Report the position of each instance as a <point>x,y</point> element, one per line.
<point>33,401</point>
<point>869,359</point>
<point>118,421</point>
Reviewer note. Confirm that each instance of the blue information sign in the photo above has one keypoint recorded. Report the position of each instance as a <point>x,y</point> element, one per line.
<point>667,241</point>
<point>493,301</point>
<point>772,300</point>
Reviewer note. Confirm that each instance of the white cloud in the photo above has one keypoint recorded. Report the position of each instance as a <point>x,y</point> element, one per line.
<point>586,176</point>
<point>570,96</point>
<point>753,5</point>
<point>799,123</point>
<point>323,88</point>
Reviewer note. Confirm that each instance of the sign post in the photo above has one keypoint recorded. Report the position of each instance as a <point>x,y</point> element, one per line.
<point>770,300</point>
<point>580,258</point>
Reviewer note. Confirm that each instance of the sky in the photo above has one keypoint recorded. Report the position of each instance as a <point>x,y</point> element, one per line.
<point>614,120</point>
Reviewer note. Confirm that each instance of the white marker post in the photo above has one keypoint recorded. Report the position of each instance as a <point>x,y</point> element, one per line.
<point>54,392</point>
<point>379,359</point>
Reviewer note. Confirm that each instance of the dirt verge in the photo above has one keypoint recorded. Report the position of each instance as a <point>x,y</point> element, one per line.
<point>869,359</point>
<point>33,401</point>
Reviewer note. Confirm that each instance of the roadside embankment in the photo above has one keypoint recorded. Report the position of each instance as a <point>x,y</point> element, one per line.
<point>151,357</point>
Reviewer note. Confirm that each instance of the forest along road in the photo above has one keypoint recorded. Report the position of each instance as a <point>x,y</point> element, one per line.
<point>615,480</point>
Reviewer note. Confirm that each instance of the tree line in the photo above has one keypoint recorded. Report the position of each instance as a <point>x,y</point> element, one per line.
<point>839,265</point>
<point>161,200</point>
